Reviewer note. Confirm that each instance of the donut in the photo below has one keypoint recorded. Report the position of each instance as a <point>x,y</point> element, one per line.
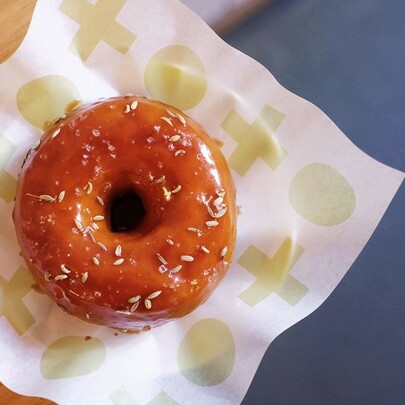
<point>125,213</point>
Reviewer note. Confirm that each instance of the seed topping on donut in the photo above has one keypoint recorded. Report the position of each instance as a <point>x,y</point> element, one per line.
<point>87,230</point>
<point>127,109</point>
<point>61,277</point>
<point>218,204</point>
<point>135,299</point>
<point>176,269</point>
<point>161,259</point>
<point>187,258</point>
<point>118,262</point>
<point>118,251</point>
<point>223,251</point>
<point>174,138</point>
<point>221,213</point>
<point>212,224</point>
<point>154,295</point>
<point>177,189</point>
<point>88,187</point>
<point>218,201</point>
<point>135,306</point>
<point>160,179</point>
<point>194,282</point>
<point>195,230</point>
<point>93,239</point>
<point>96,261</point>
<point>210,211</point>
<point>65,269</point>
<point>167,194</point>
<point>134,105</point>
<point>98,218</point>
<point>204,249</point>
<point>43,197</point>
<point>124,313</point>
<point>100,200</point>
<point>150,297</point>
<point>102,246</point>
<point>78,224</point>
<point>168,120</point>
<point>179,152</point>
<point>85,277</point>
<point>61,196</point>
<point>170,242</point>
<point>208,201</point>
<point>178,116</point>
<point>181,119</point>
<point>56,133</point>
<point>47,276</point>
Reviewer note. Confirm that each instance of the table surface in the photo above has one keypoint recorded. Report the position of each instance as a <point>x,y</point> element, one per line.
<point>348,58</point>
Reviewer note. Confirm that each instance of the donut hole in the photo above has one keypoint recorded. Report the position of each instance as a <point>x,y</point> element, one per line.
<point>127,211</point>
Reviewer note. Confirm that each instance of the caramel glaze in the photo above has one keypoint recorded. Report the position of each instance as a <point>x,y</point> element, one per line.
<point>101,149</point>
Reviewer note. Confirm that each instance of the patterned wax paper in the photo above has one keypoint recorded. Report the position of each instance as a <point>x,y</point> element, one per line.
<point>309,202</point>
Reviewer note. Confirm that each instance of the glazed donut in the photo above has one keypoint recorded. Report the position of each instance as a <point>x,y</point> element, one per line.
<point>125,213</point>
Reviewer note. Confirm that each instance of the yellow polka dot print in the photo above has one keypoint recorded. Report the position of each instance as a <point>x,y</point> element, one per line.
<point>45,99</point>
<point>321,195</point>
<point>206,355</point>
<point>72,356</point>
<point>176,76</point>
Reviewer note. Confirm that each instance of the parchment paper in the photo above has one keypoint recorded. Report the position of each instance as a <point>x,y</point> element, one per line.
<point>309,202</point>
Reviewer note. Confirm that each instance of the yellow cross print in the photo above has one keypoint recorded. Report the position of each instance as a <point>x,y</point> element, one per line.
<point>11,304</point>
<point>97,23</point>
<point>273,274</point>
<point>255,140</point>
<point>162,398</point>
<point>8,183</point>
<point>122,397</point>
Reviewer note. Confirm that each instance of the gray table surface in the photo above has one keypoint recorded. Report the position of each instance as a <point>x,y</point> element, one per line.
<point>348,58</point>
